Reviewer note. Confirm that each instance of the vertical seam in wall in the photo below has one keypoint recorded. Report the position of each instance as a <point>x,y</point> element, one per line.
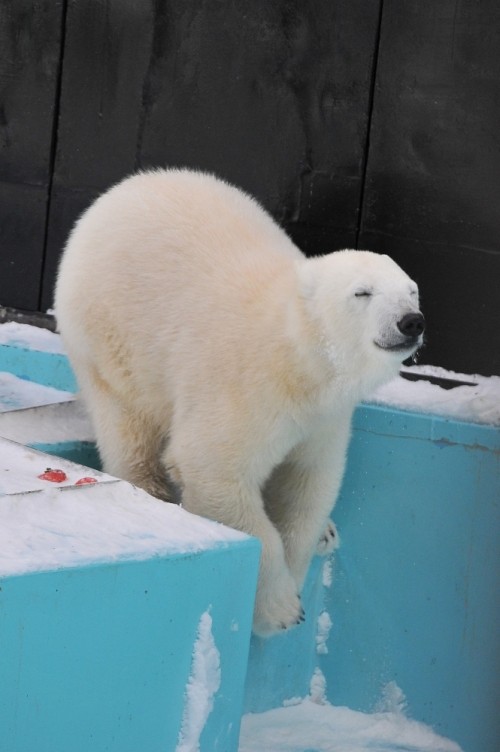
<point>371,98</point>
<point>53,146</point>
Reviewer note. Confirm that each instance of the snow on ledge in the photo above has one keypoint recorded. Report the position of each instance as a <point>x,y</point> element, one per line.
<point>20,468</point>
<point>51,526</point>
<point>30,338</point>
<point>48,424</point>
<point>479,403</point>
<point>20,394</point>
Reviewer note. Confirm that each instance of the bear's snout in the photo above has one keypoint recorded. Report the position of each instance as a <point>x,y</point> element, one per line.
<point>412,325</point>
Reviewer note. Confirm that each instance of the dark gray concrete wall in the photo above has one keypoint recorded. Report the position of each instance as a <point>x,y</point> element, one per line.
<point>357,123</point>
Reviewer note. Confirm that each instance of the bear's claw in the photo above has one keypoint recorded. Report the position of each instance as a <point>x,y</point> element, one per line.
<point>329,540</point>
<point>278,606</point>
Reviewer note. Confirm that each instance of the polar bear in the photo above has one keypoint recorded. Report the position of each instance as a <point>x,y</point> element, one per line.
<point>210,351</point>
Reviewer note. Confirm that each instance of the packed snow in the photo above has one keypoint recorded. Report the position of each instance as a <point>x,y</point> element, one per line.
<point>49,424</point>
<point>324,625</point>
<point>30,337</point>
<point>327,573</point>
<point>16,393</point>
<point>313,725</point>
<point>310,727</point>
<point>478,403</point>
<point>21,466</point>
<point>45,525</point>
<point>202,686</point>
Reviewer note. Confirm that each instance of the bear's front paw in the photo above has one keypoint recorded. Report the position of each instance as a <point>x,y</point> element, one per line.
<point>329,540</point>
<point>277,606</point>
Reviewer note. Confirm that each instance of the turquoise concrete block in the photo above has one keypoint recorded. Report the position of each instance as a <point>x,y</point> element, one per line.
<point>124,621</point>
<point>98,658</point>
<point>49,369</point>
<point>415,593</point>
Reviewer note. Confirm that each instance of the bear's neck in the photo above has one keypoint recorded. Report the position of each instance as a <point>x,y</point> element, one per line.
<point>329,377</point>
<point>314,372</point>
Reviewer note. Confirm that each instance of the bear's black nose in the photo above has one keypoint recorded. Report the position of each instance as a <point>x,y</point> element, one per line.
<point>412,324</point>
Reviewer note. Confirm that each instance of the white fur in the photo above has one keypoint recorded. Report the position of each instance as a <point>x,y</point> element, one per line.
<point>205,343</point>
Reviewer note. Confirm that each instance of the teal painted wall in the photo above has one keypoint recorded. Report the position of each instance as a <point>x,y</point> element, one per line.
<point>49,369</point>
<point>415,592</point>
<point>98,658</point>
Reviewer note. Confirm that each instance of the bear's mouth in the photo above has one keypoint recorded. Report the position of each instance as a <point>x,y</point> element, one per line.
<point>409,343</point>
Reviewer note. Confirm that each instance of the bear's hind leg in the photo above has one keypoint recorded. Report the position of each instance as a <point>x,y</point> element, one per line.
<point>129,442</point>
<point>214,489</point>
<point>299,507</point>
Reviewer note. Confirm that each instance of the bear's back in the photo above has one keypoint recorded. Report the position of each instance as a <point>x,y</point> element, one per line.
<point>169,255</point>
<point>186,212</point>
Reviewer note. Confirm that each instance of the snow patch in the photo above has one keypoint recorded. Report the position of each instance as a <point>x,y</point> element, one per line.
<point>30,338</point>
<point>317,687</point>
<point>327,573</point>
<point>202,686</point>
<point>393,699</point>
<point>48,424</point>
<point>16,393</point>
<point>20,468</point>
<point>479,403</point>
<point>46,526</point>
<point>292,701</point>
<point>312,727</point>
<point>324,625</point>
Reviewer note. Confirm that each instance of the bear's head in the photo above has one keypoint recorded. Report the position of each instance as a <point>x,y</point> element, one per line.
<point>367,309</point>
